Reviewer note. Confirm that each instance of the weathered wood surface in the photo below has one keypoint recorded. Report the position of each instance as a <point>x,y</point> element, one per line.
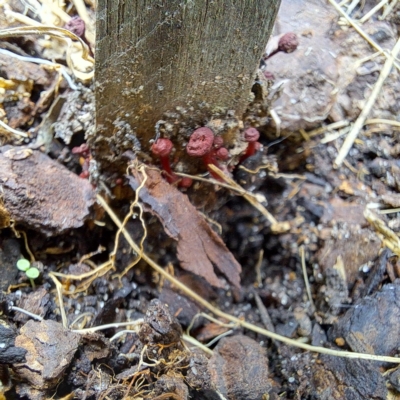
<point>153,57</point>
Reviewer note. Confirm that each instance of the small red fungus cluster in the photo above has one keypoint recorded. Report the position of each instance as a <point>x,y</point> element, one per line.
<point>287,43</point>
<point>162,148</point>
<point>202,144</point>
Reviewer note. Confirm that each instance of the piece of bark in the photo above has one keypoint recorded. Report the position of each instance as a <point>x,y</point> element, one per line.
<point>337,378</point>
<point>239,369</point>
<point>40,193</point>
<point>37,302</point>
<point>50,349</point>
<point>199,248</point>
<point>373,325</point>
<point>10,253</point>
<point>9,353</point>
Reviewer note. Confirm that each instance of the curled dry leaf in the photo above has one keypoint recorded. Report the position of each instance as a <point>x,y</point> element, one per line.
<point>199,248</point>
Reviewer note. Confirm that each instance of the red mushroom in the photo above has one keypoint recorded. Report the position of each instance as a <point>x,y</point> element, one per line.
<point>201,145</point>
<point>162,148</point>
<point>286,42</point>
<point>222,153</point>
<point>251,135</point>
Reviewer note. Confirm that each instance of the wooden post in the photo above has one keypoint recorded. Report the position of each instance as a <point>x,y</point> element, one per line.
<point>168,66</point>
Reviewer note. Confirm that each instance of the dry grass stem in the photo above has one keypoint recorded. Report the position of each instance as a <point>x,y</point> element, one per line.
<point>388,9</point>
<point>276,226</point>
<point>12,130</point>
<point>200,300</point>
<point>305,276</point>
<point>348,143</point>
<point>374,10</point>
<point>196,343</point>
<point>238,189</point>
<point>387,236</point>
<point>85,72</point>
<point>360,31</point>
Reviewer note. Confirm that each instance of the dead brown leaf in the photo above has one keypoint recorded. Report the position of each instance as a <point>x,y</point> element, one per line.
<point>199,248</point>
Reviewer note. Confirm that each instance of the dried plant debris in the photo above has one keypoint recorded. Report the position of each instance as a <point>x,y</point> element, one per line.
<point>21,82</point>
<point>40,193</point>
<point>199,248</point>
<point>50,349</point>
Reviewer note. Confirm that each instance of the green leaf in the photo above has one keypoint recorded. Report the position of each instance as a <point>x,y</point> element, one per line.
<point>32,273</point>
<point>23,264</point>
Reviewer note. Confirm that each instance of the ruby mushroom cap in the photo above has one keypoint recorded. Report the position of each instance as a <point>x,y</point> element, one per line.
<point>251,135</point>
<point>76,25</point>
<point>218,142</point>
<point>288,42</point>
<point>200,142</point>
<point>162,147</point>
<point>222,153</point>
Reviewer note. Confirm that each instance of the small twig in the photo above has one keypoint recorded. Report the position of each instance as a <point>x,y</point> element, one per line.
<point>351,137</point>
<point>217,338</point>
<point>239,190</point>
<point>276,226</point>
<point>32,315</point>
<point>305,276</point>
<point>60,300</point>
<point>385,234</point>
<point>330,127</point>
<point>369,14</point>
<point>109,326</point>
<point>382,121</point>
<point>265,318</point>
<point>258,268</point>
<point>56,66</point>
<point>196,343</point>
<point>388,10</point>
<point>12,130</point>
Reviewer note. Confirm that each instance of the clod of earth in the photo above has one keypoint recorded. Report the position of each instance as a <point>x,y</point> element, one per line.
<point>42,194</point>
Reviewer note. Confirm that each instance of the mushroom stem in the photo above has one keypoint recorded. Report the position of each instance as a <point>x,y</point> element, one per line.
<point>166,166</point>
<point>209,158</point>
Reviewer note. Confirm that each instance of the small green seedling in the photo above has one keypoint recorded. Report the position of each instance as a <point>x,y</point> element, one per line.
<point>31,272</point>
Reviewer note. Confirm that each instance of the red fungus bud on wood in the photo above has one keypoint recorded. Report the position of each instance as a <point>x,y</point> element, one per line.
<point>288,42</point>
<point>162,148</point>
<point>251,135</point>
<point>76,26</point>
<point>222,153</point>
<point>218,142</point>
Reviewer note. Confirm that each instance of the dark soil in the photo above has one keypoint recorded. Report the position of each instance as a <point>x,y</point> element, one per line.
<point>351,257</point>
